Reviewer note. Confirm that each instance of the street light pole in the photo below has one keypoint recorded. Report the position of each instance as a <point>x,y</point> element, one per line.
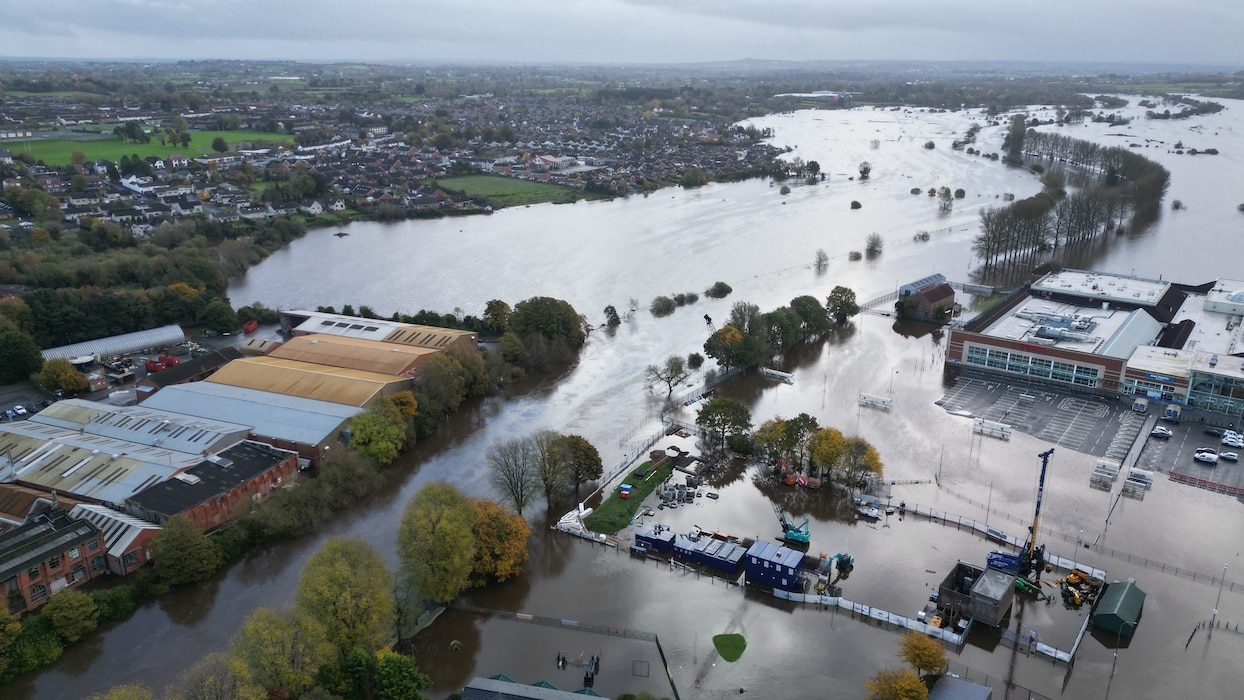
<point>1218,600</point>
<point>988,505</point>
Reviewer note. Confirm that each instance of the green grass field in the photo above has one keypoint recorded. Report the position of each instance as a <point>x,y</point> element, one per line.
<point>616,512</point>
<point>60,151</point>
<point>730,646</point>
<point>511,192</point>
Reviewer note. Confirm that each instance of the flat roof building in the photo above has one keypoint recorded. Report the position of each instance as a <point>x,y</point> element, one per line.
<point>218,487</point>
<point>307,426</point>
<point>355,353</point>
<point>352,387</point>
<point>299,322</point>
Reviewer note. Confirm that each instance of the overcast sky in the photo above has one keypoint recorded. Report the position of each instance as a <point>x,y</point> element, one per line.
<point>629,31</point>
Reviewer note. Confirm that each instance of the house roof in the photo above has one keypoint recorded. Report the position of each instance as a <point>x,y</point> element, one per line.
<point>278,416</point>
<point>340,385</point>
<point>120,344</point>
<point>22,547</point>
<point>210,478</point>
<point>354,353</point>
<point>120,530</point>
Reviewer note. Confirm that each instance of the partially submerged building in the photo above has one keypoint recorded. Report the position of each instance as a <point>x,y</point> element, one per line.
<point>984,595</point>
<point>773,565</point>
<point>1119,608</point>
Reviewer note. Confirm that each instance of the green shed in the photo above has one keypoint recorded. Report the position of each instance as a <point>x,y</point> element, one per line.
<point>1118,610</point>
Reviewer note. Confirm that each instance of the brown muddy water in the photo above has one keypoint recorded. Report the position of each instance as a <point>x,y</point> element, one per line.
<point>761,243</point>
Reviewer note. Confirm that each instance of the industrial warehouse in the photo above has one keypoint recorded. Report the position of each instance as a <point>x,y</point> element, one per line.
<point>1115,335</point>
<point>211,436</point>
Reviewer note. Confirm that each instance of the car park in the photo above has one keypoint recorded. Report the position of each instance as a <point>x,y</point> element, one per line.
<point>1229,456</point>
<point>1206,457</point>
<point>1213,431</point>
<point>1161,433</point>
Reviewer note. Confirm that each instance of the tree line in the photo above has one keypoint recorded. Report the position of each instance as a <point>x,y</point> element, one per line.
<point>1116,187</point>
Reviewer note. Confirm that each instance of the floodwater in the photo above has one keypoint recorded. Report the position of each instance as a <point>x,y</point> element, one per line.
<point>761,243</point>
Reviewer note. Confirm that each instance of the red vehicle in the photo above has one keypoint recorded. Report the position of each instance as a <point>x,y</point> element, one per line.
<point>250,326</point>
<point>169,361</point>
<point>153,365</point>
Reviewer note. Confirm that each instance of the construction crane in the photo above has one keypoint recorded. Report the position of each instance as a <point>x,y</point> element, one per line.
<point>1033,560</point>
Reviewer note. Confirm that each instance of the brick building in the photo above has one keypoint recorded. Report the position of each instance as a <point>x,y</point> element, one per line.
<point>50,553</point>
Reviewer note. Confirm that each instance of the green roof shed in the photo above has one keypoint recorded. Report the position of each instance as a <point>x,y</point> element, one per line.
<point>1118,610</point>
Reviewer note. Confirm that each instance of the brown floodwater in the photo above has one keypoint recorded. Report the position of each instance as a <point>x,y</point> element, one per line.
<point>762,244</point>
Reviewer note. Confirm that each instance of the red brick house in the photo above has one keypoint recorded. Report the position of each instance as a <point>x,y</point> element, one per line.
<point>50,553</point>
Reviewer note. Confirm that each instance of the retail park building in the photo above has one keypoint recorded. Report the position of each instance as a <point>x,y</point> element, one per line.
<point>1115,335</point>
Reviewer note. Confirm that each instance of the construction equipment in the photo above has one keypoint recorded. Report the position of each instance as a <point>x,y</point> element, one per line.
<point>792,533</point>
<point>1026,586</point>
<point>1032,560</point>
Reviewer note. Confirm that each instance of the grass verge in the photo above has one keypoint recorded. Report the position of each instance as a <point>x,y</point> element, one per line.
<point>616,512</point>
<point>60,151</point>
<point>730,646</point>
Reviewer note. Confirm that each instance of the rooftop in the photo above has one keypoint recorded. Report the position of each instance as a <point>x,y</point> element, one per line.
<point>374,329</point>
<point>1096,287</point>
<point>1087,329</point>
<point>120,344</point>
<point>22,547</point>
<point>120,530</point>
<point>209,478</point>
<point>144,425</point>
<point>1164,362</point>
<point>1214,332</point>
<point>340,385</point>
<point>90,466</point>
<point>279,416</point>
<point>354,353</point>
<point>775,553</point>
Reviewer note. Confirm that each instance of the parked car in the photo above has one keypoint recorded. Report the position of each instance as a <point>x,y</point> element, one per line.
<point>10,414</point>
<point>1237,443</point>
<point>1229,456</point>
<point>1216,432</point>
<point>1161,433</point>
<point>1206,457</point>
<point>20,410</point>
<point>1210,450</point>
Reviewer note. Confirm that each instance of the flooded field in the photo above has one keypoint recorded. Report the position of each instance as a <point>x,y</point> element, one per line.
<point>762,244</point>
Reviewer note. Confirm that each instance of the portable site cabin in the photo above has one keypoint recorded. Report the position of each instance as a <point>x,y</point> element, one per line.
<point>774,565</point>
<point>1119,607</point>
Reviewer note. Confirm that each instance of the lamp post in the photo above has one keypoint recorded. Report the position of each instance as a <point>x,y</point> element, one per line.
<point>988,504</point>
<point>1218,600</point>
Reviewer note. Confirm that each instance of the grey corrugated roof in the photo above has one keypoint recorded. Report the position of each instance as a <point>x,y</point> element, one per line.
<point>954,688</point>
<point>120,530</point>
<point>493,689</point>
<point>120,344</point>
<point>145,425</point>
<point>293,418</point>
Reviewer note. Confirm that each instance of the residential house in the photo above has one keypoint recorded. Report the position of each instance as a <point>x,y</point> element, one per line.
<point>311,207</point>
<point>6,158</point>
<point>46,555</point>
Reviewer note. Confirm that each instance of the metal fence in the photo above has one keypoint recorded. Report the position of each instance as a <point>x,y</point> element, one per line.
<point>1128,557</point>
<point>1005,688</point>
